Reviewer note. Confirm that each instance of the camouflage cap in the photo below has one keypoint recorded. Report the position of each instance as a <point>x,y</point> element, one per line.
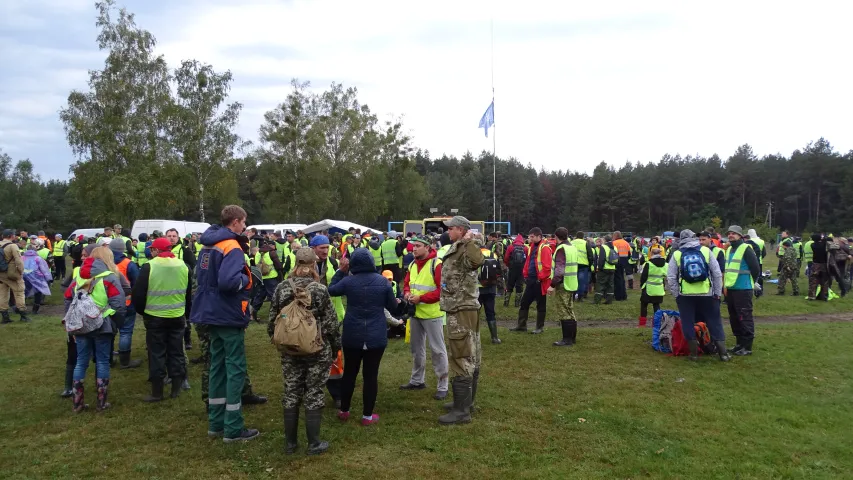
<point>423,240</point>
<point>306,255</point>
<point>458,221</point>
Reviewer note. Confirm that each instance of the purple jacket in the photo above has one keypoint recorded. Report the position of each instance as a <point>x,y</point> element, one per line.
<point>224,281</point>
<point>36,274</point>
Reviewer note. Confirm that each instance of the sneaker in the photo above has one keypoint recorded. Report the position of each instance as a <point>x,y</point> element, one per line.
<point>735,349</point>
<point>188,346</point>
<point>413,386</point>
<point>743,352</point>
<point>246,435</point>
<point>365,422</point>
<point>343,416</point>
<point>440,394</point>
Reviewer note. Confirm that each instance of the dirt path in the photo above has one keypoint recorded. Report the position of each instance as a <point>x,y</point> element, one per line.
<point>625,323</point>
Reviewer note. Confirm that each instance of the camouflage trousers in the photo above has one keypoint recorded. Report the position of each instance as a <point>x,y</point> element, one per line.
<point>463,339</point>
<point>305,380</point>
<point>789,274</point>
<point>204,338</point>
<point>565,304</point>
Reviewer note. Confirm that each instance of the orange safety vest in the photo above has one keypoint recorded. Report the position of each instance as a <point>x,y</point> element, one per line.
<point>122,268</point>
<point>622,247</point>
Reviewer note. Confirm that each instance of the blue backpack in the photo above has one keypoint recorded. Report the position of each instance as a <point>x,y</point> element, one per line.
<point>694,268</point>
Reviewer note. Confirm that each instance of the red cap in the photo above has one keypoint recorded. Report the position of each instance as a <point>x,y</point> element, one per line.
<point>163,244</point>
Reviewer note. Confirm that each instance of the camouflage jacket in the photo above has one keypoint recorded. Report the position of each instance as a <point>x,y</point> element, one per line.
<point>321,308</point>
<point>790,258</point>
<point>459,286</point>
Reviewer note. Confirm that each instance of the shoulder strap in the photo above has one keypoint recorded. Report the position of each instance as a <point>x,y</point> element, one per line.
<point>432,266</point>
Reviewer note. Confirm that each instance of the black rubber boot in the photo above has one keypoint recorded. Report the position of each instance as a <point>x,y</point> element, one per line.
<point>36,308</point>
<point>156,391</point>
<point>461,411</point>
<point>69,380</point>
<point>517,300</point>
<point>573,331</point>
<point>313,418</point>
<point>291,430</point>
<point>566,341</point>
<point>6,318</point>
<point>474,382</point>
<point>24,317</point>
<point>177,382</point>
<point>721,350</point>
<point>522,322</point>
<point>609,299</point>
<point>125,361</point>
<point>506,298</point>
<point>540,323</point>
<point>630,284</point>
<point>493,330</point>
<point>693,345</point>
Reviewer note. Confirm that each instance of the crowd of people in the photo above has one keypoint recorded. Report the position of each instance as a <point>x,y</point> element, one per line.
<point>361,288</point>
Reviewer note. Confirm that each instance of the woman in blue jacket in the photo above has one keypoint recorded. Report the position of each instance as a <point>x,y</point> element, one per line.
<point>365,329</point>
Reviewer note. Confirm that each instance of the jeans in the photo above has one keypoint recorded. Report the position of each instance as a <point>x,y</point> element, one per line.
<point>125,333</point>
<point>353,358</point>
<point>100,343</point>
<point>700,309</point>
<point>583,280</point>
<point>268,291</point>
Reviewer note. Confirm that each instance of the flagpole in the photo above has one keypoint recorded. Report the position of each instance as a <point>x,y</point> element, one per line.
<point>494,142</point>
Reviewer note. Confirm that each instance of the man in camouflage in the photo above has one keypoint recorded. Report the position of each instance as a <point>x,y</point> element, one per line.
<point>459,299</point>
<point>789,267</point>
<point>305,376</point>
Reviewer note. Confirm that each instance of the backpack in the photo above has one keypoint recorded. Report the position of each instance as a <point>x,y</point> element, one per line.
<point>694,268</point>
<point>296,330</point>
<point>613,256</point>
<point>663,324</point>
<point>84,315</point>
<point>703,336</point>
<point>489,271</point>
<point>4,264</point>
<point>518,256</point>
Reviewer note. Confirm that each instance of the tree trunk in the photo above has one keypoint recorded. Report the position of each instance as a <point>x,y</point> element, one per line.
<point>817,209</point>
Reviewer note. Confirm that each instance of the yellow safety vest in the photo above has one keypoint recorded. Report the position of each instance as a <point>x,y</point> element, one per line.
<point>580,246</point>
<point>529,248</point>
<point>59,248</point>
<point>422,282</point>
<point>654,280</point>
<point>167,288</point>
<point>607,265</point>
<point>735,266</point>
<point>99,293</point>
<point>389,252</point>
<point>141,259</point>
<point>570,276</point>
<point>808,253</point>
<point>267,260</point>
<point>695,288</point>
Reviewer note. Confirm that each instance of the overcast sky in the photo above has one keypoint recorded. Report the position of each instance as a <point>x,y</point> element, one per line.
<point>575,82</point>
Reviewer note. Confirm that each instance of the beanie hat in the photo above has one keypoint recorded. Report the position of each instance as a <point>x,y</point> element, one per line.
<point>118,246</point>
<point>90,248</point>
<point>143,237</point>
<point>319,240</point>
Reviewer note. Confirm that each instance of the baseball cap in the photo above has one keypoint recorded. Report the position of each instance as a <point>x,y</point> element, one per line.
<point>388,274</point>
<point>305,255</point>
<point>163,244</point>
<point>458,221</point>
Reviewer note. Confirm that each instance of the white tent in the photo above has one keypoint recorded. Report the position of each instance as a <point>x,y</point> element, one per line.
<point>335,226</point>
<point>281,227</point>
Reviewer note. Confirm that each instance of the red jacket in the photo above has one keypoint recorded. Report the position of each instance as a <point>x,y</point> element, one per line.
<point>433,296</point>
<point>544,275</point>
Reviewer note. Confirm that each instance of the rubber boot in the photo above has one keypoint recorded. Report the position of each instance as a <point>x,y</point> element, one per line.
<point>78,396</point>
<point>125,361</point>
<point>540,323</point>
<point>566,340</point>
<point>461,411</point>
<point>69,382</point>
<point>474,382</point>
<point>36,308</point>
<point>177,383</point>
<point>609,298</point>
<point>522,322</point>
<point>313,419</point>
<point>493,330</point>
<point>506,299</point>
<point>517,300</point>
<point>721,349</point>
<point>642,322</point>
<point>103,394</point>
<point>630,284</point>
<point>291,430</point>
<point>156,391</point>
<point>6,318</point>
<point>693,345</point>
<point>573,331</point>
<point>24,317</point>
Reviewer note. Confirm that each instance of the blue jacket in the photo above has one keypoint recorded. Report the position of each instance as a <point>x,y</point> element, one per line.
<point>368,295</point>
<point>224,281</point>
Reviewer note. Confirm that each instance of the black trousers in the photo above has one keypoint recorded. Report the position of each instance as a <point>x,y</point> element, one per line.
<point>645,300</point>
<point>532,293</point>
<point>353,358</point>
<point>515,280</point>
<point>739,303</point>
<point>164,337</point>
<point>59,266</point>
<point>268,291</point>
<point>619,291</point>
<point>487,301</point>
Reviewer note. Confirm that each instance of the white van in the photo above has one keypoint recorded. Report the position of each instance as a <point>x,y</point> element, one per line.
<point>86,232</point>
<point>183,228</point>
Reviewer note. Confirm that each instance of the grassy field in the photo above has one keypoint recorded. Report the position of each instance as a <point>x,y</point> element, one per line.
<point>609,407</point>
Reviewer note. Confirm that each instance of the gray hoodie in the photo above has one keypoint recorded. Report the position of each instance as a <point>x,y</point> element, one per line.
<point>688,239</point>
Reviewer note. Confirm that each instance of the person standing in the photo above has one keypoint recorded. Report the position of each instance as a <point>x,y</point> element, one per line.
<point>459,299</point>
<point>623,267</point>
<point>788,268</point>
<point>585,262</point>
<point>514,259</point>
<point>760,251</point>
<point>604,272</point>
<point>183,252</point>
<point>60,250</point>
<point>697,296</point>
<point>489,291</point>
<point>819,275</point>
<point>267,260</point>
<point>222,300</point>
<point>326,267</point>
<point>390,254</point>
<point>420,288</point>
<point>537,278</point>
<point>12,280</point>
<point>741,272</point>
<point>160,293</point>
<point>130,272</point>
<point>652,288</point>
<point>564,285</point>
<point>306,375</point>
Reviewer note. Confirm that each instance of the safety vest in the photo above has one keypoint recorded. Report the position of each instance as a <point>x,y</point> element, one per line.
<point>797,247</point>
<point>442,251</point>
<point>292,257</point>
<point>99,293</point>
<point>542,245</point>
<point>198,247</point>
<point>580,246</point>
<point>377,255</point>
<point>122,268</point>
<point>607,266</point>
<point>622,247</point>
<point>570,276</point>
<point>760,244</point>
<point>422,282</point>
<point>735,266</point>
<point>303,241</point>
<point>808,253</point>
<point>281,250</point>
<point>141,259</point>
<point>337,302</point>
<point>167,288</point>
<point>178,251</point>
<point>654,280</point>
<point>715,251</point>
<point>389,252</point>
<point>59,248</point>
<point>695,288</point>
<point>267,260</point>
<point>43,253</point>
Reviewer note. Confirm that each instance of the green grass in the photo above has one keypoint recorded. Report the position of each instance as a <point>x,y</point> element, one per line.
<point>785,412</point>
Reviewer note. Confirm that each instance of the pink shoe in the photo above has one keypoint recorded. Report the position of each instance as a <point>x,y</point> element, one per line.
<point>343,416</point>
<point>373,419</point>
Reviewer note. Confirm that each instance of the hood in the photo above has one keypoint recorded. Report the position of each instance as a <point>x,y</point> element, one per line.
<point>216,234</point>
<point>92,267</point>
<point>752,234</point>
<point>519,240</point>
<point>361,261</point>
<point>432,254</point>
<point>686,234</point>
<point>281,241</point>
<point>816,237</point>
<point>118,257</point>
<point>29,253</point>
<point>688,243</point>
<point>658,261</point>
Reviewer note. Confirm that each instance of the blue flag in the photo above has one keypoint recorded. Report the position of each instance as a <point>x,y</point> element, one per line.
<point>488,118</point>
